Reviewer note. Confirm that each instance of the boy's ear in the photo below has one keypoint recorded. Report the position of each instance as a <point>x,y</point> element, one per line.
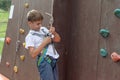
<point>29,22</point>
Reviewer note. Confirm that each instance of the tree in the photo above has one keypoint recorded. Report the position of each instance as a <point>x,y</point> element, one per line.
<point>5,4</point>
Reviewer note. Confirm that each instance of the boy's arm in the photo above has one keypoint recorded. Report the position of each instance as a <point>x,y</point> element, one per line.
<point>57,37</point>
<point>34,52</point>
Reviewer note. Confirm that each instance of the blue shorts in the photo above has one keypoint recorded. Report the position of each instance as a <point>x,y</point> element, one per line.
<point>48,71</point>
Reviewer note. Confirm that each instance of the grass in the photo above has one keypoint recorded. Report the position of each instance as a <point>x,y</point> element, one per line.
<point>3,16</point>
<point>1,46</point>
<point>3,25</point>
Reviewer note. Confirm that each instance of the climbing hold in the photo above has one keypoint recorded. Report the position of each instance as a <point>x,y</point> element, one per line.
<point>22,57</point>
<point>15,69</point>
<point>22,31</point>
<point>8,40</point>
<point>117,13</point>
<point>26,5</point>
<point>115,57</point>
<point>24,44</point>
<point>7,64</point>
<point>104,32</point>
<point>103,52</point>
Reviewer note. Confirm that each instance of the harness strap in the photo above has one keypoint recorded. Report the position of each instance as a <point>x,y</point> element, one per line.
<point>41,58</point>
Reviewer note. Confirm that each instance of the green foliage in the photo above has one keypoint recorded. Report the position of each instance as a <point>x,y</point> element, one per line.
<point>3,16</point>
<point>5,4</point>
<point>4,8</point>
<point>3,29</point>
<point>1,46</point>
<point>3,25</point>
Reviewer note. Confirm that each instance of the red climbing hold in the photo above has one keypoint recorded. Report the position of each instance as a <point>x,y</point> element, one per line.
<point>7,64</point>
<point>115,57</point>
<point>8,40</point>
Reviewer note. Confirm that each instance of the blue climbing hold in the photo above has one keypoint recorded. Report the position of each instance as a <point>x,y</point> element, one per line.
<point>103,52</point>
<point>104,32</point>
<point>117,12</point>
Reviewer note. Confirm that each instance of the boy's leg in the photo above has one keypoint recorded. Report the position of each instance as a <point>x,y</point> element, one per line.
<point>55,72</point>
<point>46,72</point>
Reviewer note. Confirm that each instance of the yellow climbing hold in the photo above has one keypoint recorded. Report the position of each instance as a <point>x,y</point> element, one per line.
<point>26,5</point>
<point>24,44</point>
<point>15,69</point>
<point>22,31</point>
<point>22,57</point>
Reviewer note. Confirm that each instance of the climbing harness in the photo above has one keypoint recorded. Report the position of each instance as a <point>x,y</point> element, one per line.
<point>52,43</point>
<point>43,56</point>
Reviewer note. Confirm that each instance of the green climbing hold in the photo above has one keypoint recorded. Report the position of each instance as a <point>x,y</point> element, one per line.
<point>104,32</point>
<point>103,52</point>
<point>117,12</point>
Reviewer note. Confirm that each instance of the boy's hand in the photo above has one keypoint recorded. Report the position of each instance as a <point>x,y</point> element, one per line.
<point>52,30</point>
<point>47,40</point>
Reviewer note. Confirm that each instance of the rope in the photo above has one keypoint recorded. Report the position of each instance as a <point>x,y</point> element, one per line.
<point>51,24</point>
<point>18,27</point>
<point>51,14</point>
<point>51,20</point>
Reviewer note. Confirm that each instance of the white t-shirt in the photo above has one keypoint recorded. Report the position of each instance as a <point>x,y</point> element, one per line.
<point>35,38</point>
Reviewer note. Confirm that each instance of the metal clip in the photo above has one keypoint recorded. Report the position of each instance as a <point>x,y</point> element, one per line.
<point>17,45</point>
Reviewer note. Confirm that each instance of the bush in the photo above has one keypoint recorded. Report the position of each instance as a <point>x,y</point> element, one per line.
<point>5,4</point>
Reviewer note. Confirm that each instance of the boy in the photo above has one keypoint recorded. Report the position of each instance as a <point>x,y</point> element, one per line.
<point>39,43</point>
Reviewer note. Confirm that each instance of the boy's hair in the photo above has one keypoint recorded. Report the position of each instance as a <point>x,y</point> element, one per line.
<point>34,15</point>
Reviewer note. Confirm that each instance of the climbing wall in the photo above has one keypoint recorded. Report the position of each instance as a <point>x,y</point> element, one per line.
<point>89,32</point>
<point>62,22</point>
<point>12,66</point>
<point>107,69</point>
<point>84,46</point>
<point>90,52</point>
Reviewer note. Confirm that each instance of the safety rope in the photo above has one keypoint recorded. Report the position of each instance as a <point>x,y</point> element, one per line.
<point>51,23</point>
<point>51,19</point>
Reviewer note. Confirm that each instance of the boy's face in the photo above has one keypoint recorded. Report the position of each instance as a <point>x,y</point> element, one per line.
<point>35,25</point>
